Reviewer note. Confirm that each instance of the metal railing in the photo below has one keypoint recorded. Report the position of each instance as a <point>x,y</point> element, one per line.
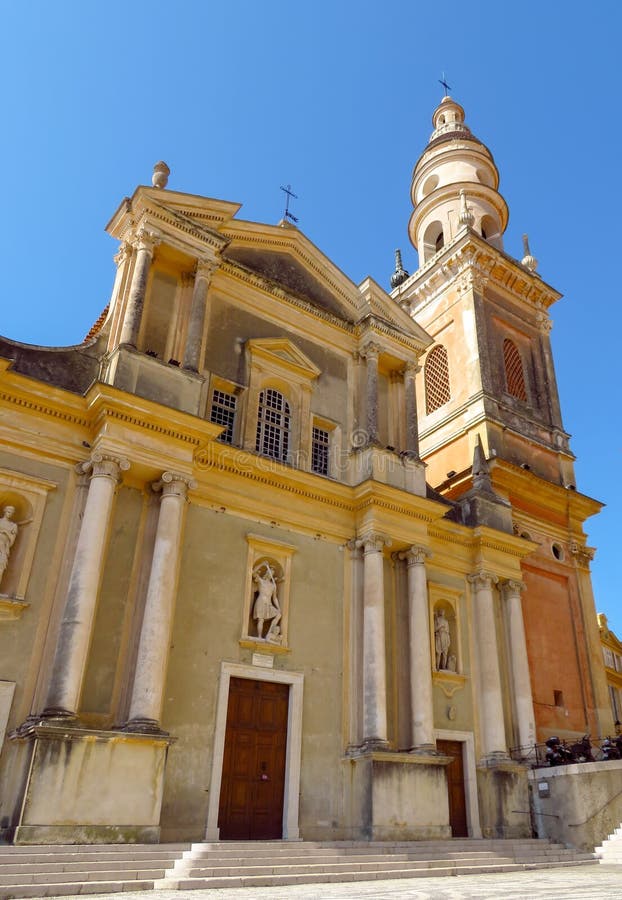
<point>556,752</point>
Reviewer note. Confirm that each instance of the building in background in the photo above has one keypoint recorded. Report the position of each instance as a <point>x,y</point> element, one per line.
<point>612,657</point>
<point>282,555</point>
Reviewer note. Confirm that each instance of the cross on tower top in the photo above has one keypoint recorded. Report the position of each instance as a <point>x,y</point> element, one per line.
<point>443,81</point>
<point>288,191</point>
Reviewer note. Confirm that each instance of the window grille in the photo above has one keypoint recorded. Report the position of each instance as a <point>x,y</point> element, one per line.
<point>436,379</point>
<point>514,375</point>
<point>319,451</point>
<point>223,413</point>
<point>273,425</point>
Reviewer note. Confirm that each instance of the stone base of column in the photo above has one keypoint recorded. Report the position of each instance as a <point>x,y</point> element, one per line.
<point>87,784</point>
<point>495,760</point>
<point>397,797</point>
<point>503,793</point>
<point>144,726</point>
<point>425,750</point>
<point>57,713</point>
<point>371,745</point>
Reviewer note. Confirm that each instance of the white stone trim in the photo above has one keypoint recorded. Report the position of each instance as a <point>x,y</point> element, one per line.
<point>230,670</point>
<point>470,776</point>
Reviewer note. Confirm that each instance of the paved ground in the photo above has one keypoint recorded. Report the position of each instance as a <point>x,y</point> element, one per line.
<point>587,883</point>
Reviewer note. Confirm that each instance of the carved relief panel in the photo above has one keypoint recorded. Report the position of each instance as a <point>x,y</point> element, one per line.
<point>265,618</point>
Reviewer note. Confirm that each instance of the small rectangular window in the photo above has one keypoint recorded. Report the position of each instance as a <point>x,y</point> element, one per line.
<point>223,413</point>
<point>558,698</point>
<point>319,451</point>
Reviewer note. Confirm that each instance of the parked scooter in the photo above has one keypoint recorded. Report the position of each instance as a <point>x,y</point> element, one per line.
<point>557,754</point>
<point>610,749</point>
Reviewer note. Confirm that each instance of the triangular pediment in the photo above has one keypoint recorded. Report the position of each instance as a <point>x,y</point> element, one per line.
<point>283,354</point>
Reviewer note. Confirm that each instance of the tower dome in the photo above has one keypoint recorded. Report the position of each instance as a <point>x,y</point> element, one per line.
<point>454,185</point>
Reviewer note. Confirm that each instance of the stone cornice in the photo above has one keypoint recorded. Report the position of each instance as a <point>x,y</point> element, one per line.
<point>548,497</point>
<point>469,256</point>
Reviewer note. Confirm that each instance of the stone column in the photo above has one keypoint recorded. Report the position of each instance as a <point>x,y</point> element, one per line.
<point>77,623</point>
<point>371,353</point>
<point>489,676</point>
<point>151,663</point>
<point>202,278</point>
<point>374,648</point>
<point>122,262</point>
<point>421,699</point>
<point>410,402</point>
<point>521,682</point>
<point>145,246</point>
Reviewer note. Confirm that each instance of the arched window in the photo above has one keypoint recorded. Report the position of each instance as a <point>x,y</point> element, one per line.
<point>273,425</point>
<point>436,379</point>
<point>514,375</point>
<point>433,240</point>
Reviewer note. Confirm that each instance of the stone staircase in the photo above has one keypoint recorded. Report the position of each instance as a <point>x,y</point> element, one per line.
<point>105,869</point>
<point>610,851</point>
<point>56,871</point>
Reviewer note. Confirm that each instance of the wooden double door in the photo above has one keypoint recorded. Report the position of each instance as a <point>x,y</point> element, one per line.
<point>455,787</point>
<point>253,772</point>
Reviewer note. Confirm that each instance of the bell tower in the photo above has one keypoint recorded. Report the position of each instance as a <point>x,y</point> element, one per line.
<point>490,371</point>
<point>487,391</point>
<point>454,164</point>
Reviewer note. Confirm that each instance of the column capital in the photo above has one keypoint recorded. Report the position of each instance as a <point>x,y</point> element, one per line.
<point>174,483</point>
<point>512,588</point>
<point>146,239</point>
<point>122,253</point>
<point>103,464</point>
<point>205,267</point>
<point>373,543</point>
<point>482,580</point>
<point>415,556</point>
<point>411,369</point>
<point>370,350</point>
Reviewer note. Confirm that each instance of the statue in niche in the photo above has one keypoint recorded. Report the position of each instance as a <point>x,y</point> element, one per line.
<point>8,533</point>
<point>442,640</point>
<point>267,607</point>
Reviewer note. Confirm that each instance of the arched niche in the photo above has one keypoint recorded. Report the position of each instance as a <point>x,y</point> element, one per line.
<point>446,642</point>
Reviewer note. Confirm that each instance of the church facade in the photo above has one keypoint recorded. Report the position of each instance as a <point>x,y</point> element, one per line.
<point>284,556</point>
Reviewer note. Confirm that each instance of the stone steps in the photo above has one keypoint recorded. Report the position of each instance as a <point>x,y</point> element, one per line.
<point>59,870</point>
<point>54,871</point>
<point>610,851</point>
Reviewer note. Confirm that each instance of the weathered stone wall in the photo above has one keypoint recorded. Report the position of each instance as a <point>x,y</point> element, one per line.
<point>580,804</point>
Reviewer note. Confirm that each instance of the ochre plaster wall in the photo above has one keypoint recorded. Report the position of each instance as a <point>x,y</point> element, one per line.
<point>207,630</point>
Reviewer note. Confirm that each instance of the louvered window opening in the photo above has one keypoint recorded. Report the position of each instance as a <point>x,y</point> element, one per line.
<point>273,425</point>
<point>436,378</point>
<point>223,413</point>
<point>514,375</point>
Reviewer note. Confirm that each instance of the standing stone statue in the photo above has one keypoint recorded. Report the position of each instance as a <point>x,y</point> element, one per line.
<point>442,640</point>
<point>8,533</point>
<point>267,606</point>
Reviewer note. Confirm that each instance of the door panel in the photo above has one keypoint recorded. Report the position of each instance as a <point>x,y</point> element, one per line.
<point>253,774</point>
<point>455,787</point>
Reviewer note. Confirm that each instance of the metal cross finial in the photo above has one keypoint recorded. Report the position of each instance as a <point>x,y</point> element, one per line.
<point>443,81</point>
<point>288,190</point>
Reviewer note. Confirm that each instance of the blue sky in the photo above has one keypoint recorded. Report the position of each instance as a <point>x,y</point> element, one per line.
<point>242,96</point>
